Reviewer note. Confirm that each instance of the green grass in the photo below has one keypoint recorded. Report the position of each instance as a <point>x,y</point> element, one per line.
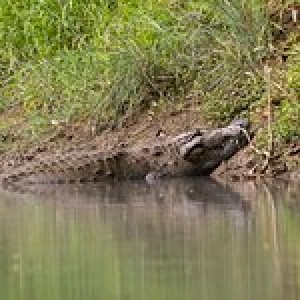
<point>101,60</point>
<point>78,60</point>
<point>287,123</point>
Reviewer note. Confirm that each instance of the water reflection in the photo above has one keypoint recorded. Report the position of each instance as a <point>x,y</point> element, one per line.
<point>179,239</point>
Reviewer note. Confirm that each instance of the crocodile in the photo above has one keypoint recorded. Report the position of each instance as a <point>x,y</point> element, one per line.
<point>193,153</point>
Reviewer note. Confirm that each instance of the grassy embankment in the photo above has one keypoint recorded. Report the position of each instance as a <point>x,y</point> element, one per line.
<point>97,61</point>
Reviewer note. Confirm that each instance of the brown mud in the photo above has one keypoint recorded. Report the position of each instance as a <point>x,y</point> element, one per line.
<point>145,130</point>
<point>66,138</point>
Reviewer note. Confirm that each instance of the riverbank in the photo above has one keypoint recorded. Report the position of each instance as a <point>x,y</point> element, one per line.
<point>109,75</point>
<point>144,130</point>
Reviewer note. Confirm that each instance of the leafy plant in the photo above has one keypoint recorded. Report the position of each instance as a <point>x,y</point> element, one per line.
<point>287,125</point>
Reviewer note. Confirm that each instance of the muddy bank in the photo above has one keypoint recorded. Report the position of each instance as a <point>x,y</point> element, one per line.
<point>247,165</point>
<point>65,138</point>
<point>140,132</point>
<point>197,152</point>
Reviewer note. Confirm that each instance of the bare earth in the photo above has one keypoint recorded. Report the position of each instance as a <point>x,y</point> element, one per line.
<point>145,130</point>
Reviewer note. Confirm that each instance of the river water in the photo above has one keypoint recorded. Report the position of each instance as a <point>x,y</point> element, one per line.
<point>178,239</point>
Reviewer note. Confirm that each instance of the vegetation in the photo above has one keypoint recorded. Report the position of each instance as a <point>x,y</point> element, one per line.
<point>100,60</point>
<point>287,122</point>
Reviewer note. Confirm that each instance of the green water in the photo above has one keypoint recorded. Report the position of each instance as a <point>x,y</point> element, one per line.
<point>178,239</point>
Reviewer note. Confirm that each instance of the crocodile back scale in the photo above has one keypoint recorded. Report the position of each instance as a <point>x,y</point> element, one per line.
<point>197,152</point>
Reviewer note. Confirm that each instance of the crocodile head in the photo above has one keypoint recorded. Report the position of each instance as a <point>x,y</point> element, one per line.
<point>210,148</point>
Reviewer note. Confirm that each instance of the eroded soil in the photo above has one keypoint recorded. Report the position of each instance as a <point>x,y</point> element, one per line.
<point>146,129</point>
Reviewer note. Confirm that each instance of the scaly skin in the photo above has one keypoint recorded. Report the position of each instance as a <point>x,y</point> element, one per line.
<point>197,152</point>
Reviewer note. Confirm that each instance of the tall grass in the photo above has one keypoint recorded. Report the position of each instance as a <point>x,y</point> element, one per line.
<point>287,123</point>
<point>236,43</point>
<point>70,60</point>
